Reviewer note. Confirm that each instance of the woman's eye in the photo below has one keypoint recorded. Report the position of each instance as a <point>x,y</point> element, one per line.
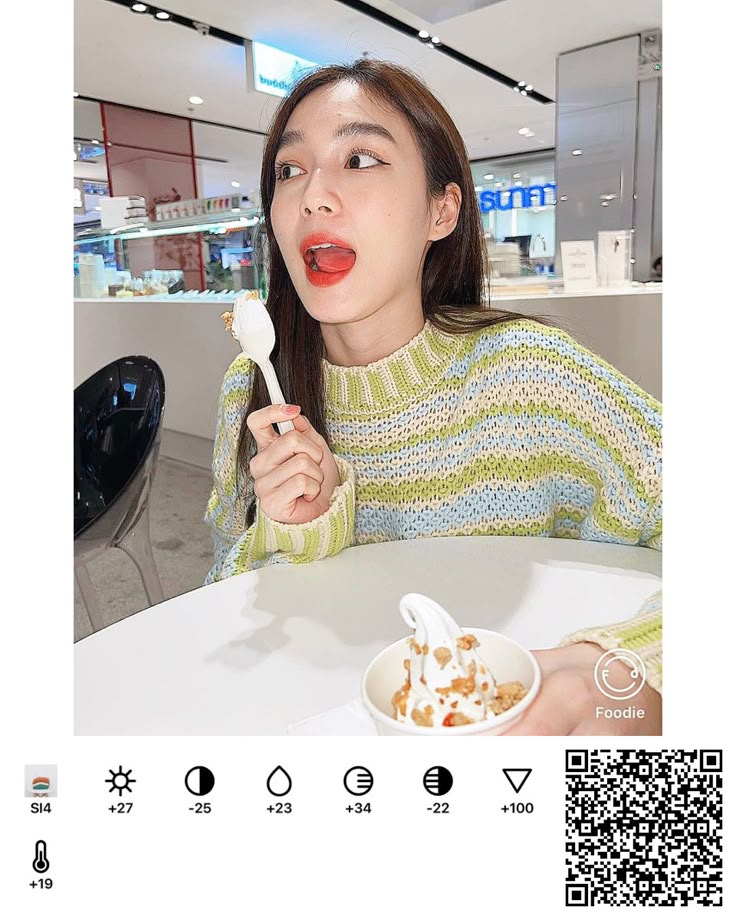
<point>353,162</point>
<point>280,171</point>
<point>356,157</point>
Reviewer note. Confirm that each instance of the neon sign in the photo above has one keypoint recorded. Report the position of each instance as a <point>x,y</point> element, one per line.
<point>275,71</point>
<point>533,196</point>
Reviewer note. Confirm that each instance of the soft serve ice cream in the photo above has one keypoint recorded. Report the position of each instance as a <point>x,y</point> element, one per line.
<point>447,683</point>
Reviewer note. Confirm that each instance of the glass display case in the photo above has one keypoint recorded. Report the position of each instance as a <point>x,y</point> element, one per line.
<point>215,255</point>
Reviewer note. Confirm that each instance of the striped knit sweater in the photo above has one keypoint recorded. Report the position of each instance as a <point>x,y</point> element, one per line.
<point>512,430</point>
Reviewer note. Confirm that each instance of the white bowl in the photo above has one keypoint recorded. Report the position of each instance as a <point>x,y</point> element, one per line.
<point>506,659</point>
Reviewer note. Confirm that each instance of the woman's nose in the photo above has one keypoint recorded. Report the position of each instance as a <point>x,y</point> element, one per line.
<point>318,195</point>
<point>322,207</point>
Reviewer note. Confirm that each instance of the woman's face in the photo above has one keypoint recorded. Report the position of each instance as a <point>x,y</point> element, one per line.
<point>360,187</point>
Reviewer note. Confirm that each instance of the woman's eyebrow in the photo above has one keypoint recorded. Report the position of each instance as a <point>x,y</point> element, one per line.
<point>350,129</point>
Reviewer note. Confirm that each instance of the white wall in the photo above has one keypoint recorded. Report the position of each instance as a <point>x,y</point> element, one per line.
<point>189,343</point>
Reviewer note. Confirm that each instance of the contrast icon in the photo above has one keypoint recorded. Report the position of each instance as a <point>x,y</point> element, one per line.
<point>279,782</point>
<point>438,781</point>
<point>358,781</point>
<point>120,781</point>
<point>200,781</point>
<point>40,860</point>
<point>620,685</point>
<point>517,776</point>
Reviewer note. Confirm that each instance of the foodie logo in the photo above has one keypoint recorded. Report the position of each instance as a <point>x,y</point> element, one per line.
<point>618,684</point>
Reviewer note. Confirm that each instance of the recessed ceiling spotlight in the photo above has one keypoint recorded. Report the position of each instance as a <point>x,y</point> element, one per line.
<point>162,14</point>
<point>577,153</point>
<point>604,204</point>
<point>516,176</point>
<point>563,197</point>
<point>523,130</point>
<point>424,34</point>
<point>530,134</point>
<point>76,93</point>
<point>521,83</point>
<point>435,40</point>
<point>516,89</point>
<point>235,184</point>
<point>139,8</point>
<point>529,87</point>
<point>196,100</point>
<point>488,176</point>
<point>524,93</point>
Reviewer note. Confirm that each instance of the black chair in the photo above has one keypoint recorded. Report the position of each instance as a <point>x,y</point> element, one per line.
<point>117,432</point>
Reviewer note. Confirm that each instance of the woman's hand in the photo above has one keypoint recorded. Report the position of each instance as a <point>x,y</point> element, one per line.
<point>570,703</point>
<point>294,474</point>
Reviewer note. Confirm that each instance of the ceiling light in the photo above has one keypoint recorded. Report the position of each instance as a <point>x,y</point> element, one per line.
<point>488,176</point>
<point>76,93</point>
<point>435,40</point>
<point>139,8</point>
<point>530,134</point>
<point>576,153</point>
<point>524,93</point>
<point>516,89</point>
<point>521,83</point>
<point>424,34</point>
<point>523,130</point>
<point>516,176</point>
<point>563,197</point>
<point>196,100</point>
<point>499,184</point>
<point>518,183</point>
<point>233,183</point>
<point>529,87</point>
<point>604,204</point>
<point>162,14</point>
<point>479,188</point>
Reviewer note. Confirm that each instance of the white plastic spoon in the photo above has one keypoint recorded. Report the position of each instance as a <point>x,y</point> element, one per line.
<point>253,328</point>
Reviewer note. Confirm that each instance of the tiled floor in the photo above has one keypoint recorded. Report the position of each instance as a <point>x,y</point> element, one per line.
<point>182,547</point>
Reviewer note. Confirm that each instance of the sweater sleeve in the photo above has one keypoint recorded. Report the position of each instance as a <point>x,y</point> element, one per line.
<point>239,549</point>
<point>621,425</point>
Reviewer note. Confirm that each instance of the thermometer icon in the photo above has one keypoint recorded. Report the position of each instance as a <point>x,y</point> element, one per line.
<point>41,862</point>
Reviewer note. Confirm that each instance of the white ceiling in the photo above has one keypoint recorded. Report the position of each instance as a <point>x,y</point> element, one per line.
<point>137,60</point>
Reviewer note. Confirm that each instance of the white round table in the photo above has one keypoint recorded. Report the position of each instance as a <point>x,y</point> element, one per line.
<point>258,652</point>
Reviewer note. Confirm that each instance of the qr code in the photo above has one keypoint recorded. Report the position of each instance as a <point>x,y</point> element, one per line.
<point>643,828</point>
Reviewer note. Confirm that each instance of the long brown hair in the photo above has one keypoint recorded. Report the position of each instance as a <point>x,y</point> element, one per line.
<point>454,269</point>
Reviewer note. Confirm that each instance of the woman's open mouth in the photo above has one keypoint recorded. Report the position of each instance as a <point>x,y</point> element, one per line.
<point>327,263</point>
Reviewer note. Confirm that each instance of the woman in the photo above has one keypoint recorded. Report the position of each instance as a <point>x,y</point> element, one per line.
<point>417,411</point>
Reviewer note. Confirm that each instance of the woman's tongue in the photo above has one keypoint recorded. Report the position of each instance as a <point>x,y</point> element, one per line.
<point>334,259</point>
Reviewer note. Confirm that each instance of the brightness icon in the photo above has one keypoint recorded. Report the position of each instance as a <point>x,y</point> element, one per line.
<point>120,781</point>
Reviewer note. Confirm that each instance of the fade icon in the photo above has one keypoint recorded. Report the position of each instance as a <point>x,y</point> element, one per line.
<point>438,781</point>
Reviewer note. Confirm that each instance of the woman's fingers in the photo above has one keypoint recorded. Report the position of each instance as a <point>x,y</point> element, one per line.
<point>278,503</point>
<point>559,708</point>
<point>299,464</point>
<point>281,449</point>
<point>260,423</point>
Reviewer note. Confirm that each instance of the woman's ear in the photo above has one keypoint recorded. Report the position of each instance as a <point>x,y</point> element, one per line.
<point>445,212</point>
